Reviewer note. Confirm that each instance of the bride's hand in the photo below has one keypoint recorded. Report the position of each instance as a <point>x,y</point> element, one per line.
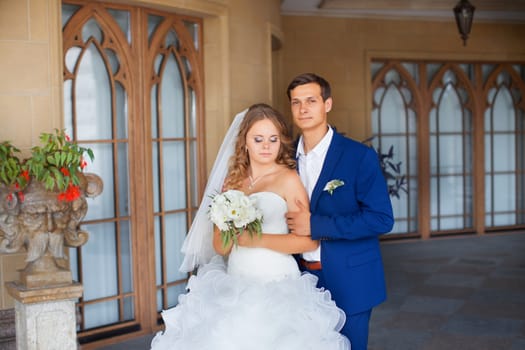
<point>248,241</point>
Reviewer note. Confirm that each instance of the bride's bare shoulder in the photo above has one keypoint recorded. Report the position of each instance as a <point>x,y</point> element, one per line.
<point>289,181</point>
<point>290,175</point>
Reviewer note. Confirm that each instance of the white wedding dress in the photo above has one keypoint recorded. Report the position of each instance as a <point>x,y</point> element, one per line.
<point>260,301</point>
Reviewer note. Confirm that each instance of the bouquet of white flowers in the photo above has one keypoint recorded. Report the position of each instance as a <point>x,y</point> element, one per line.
<point>233,212</point>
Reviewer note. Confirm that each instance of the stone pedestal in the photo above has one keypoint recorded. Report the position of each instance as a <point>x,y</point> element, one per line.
<point>45,317</point>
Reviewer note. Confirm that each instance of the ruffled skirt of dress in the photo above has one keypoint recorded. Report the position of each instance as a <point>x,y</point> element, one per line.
<point>222,311</point>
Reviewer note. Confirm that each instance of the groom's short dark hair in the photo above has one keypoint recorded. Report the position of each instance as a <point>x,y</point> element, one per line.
<point>307,78</point>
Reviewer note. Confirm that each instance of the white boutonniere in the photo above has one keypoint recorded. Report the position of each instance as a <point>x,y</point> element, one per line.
<point>332,185</point>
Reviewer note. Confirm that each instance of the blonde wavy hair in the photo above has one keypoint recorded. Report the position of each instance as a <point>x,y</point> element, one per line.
<point>239,163</point>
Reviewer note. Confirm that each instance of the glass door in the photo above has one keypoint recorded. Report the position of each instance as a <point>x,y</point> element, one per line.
<point>133,93</point>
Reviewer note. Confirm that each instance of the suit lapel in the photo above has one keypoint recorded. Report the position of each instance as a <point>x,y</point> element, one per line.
<point>331,160</point>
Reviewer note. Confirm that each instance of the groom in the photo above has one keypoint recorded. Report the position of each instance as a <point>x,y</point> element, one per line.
<point>349,208</point>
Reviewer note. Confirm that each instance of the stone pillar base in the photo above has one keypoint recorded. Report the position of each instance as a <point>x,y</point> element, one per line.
<point>45,279</point>
<point>45,317</point>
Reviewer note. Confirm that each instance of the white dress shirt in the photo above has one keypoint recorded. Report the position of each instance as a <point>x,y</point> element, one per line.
<point>310,166</point>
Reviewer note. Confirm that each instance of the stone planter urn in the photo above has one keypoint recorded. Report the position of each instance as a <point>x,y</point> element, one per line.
<point>44,223</point>
<point>42,202</point>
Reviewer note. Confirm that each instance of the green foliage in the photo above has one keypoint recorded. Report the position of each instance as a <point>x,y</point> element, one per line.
<point>56,162</point>
<point>396,182</point>
<point>232,234</point>
<point>10,166</point>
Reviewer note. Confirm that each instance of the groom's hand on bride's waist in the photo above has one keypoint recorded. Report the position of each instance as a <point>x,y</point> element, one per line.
<point>299,221</point>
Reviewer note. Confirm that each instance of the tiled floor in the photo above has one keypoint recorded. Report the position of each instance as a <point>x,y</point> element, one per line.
<point>455,293</point>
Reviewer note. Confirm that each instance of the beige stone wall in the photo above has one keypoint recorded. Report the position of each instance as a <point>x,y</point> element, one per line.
<point>237,55</point>
<point>30,88</point>
<point>340,50</point>
<point>250,49</point>
<point>30,95</point>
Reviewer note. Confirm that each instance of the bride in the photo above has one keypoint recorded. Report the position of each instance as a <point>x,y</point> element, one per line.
<point>252,298</point>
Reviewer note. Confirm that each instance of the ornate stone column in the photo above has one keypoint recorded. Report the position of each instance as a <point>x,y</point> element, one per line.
<point>44,223</point>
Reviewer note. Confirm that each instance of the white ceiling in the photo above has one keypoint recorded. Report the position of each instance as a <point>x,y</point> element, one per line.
<point>486,10</point>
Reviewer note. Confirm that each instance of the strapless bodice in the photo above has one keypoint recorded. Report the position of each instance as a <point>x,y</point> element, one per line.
<point>259,263</point>
<point>273,208</point>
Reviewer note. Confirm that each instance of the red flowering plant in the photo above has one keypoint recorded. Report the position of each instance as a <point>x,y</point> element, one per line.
<point>57,164</point>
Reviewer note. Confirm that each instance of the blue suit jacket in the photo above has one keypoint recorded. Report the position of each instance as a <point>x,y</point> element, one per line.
<point>348,224</point>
